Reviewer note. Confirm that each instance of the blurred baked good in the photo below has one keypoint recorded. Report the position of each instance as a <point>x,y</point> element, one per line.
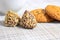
<point>41,15</point>
<point>53,11</point>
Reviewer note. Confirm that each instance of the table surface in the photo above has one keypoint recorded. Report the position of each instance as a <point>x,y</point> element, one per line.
<point>43,31</point>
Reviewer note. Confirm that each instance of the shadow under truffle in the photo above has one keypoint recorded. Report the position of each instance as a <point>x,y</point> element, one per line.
<point>2,14</point>
<point>2,23</point>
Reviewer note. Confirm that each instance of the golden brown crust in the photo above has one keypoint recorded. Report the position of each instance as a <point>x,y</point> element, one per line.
<point>41,16</point>
<point>53,12</point>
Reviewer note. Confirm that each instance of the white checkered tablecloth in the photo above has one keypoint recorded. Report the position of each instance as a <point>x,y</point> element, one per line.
<point>43,31</point>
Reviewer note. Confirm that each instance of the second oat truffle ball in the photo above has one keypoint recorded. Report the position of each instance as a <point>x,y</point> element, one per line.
<point>28,20</point>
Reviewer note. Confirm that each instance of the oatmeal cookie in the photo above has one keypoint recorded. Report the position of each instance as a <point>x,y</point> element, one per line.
<point>11,19</point>
<point>53,11</point>
<point>41,15</point>
<point>28,20</point>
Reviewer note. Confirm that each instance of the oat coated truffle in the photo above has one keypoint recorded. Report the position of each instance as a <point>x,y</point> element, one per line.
<point>28,20</point>
<point>11,19</point>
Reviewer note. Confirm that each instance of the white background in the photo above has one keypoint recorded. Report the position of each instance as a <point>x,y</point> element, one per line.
<point>35,4</point>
